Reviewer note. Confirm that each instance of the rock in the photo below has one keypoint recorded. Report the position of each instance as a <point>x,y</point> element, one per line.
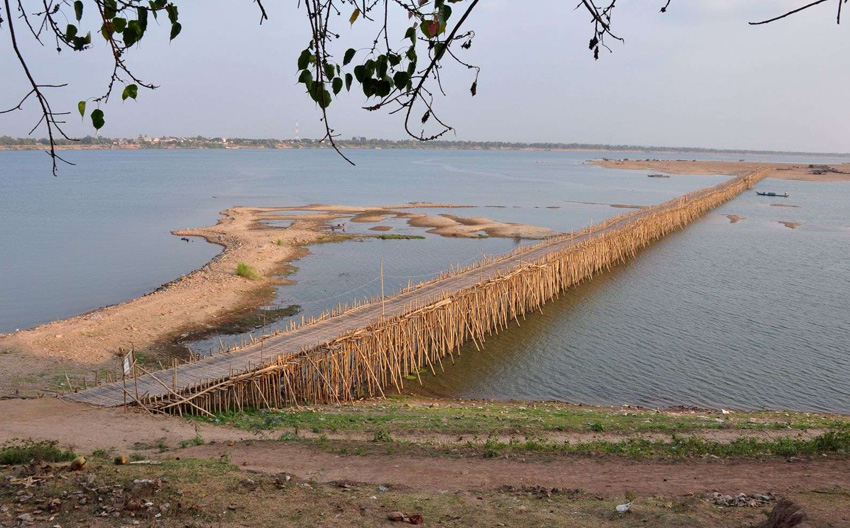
<point>624,508</point>
<point>120,460</point>
<point>416,519</point>
<point>395,516</point>
<point>79,464</point>
<point>785,514</point>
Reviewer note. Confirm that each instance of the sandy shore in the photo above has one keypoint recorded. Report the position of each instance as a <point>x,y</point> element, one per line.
<point>780,171</point>
<point>39,358</point>
<point>193,302</point>
<point>447,225</point>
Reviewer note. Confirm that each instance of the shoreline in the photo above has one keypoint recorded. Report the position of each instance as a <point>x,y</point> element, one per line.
<point>204,301</point>
<point>828,172</point>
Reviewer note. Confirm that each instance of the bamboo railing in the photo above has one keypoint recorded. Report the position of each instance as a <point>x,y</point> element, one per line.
<point>380,357</point>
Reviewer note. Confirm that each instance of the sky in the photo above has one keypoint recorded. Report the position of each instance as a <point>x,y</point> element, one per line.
<point>697,76</point>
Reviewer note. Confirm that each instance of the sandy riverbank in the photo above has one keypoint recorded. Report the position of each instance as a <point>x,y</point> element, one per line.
<point>201,301</point>
<point>780,171</point>
<point>447,225</point>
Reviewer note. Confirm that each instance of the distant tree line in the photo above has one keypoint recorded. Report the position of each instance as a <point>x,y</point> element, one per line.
<point>201,142</point>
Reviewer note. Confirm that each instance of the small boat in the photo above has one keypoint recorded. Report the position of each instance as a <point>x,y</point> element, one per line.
<point>657,176</point>
<point>785,195</point>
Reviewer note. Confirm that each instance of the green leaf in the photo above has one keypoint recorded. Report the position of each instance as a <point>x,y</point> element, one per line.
<point>142,15</point>
<point>132,33</point>
<point>368,86</point>
<point>131,91</point>
<point>307,78</point>
<point>354,16</point>
<point>382,65</point>
<point>445,13</point>
<point>360,73</point>
<point>440,50</point>
<point>394,59</point>
<point>337,85</point>
<point>304,59</point>
<point>118,24</point>
<point>171,9</point>
<point>70,32</point>
<point>383,88</point>
<point>78,10</point>
<point>175,30</point>
<point>348,79</point>
<point>81,107</point>
<point>400,79</point>
<point>97,119</point>
<point>320,95</point>
<point>411,34</point>
<point>110,7</point>
<point>349,54</point>
<point>330,72</point>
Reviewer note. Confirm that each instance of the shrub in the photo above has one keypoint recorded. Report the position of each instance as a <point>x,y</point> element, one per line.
<point>244,270</point>
<point>30,451</point>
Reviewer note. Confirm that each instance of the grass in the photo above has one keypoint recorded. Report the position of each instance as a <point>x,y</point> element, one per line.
<point>249,272</point>
<point>332,239</point>
<point>831,442</point>
<point>403,414</point>
<point>25,452</point>
<point>495,429</point>
<point>400,237</point>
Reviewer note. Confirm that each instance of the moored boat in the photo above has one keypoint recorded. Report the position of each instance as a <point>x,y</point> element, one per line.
<point>784,195</point>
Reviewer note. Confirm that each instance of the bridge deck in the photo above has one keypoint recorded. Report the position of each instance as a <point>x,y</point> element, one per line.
<point>310,336</point>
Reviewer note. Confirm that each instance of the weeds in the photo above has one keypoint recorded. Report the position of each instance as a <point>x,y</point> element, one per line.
<point>382,435</point>
<point>244,270</point>
<point>16,452</point>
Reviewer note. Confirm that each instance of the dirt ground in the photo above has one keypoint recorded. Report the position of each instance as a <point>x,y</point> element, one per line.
<point>607,476</point>
<point>224,476</point>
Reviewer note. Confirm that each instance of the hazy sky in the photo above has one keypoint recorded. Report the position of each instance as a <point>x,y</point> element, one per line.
<point>696,76</point>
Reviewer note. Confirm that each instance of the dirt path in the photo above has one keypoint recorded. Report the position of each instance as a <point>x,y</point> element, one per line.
<point>605,476</point>
<point>86,428</point>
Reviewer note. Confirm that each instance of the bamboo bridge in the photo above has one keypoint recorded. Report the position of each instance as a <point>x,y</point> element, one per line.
<point>368,349</point>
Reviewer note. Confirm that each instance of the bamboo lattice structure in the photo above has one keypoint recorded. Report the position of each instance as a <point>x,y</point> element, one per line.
<point>381,355</point>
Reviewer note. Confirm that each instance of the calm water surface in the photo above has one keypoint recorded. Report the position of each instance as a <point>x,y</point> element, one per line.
<point>743,315</point>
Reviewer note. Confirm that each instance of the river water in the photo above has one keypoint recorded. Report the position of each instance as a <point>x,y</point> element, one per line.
<point>745,315</point>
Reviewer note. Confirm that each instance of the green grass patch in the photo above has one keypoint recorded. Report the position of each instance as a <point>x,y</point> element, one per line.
<point>403,414</point>
<point>332,239</point>
<point>400,237</point>
<point>244,270</point>
<point>831,442</point>
<point>24,452</point>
